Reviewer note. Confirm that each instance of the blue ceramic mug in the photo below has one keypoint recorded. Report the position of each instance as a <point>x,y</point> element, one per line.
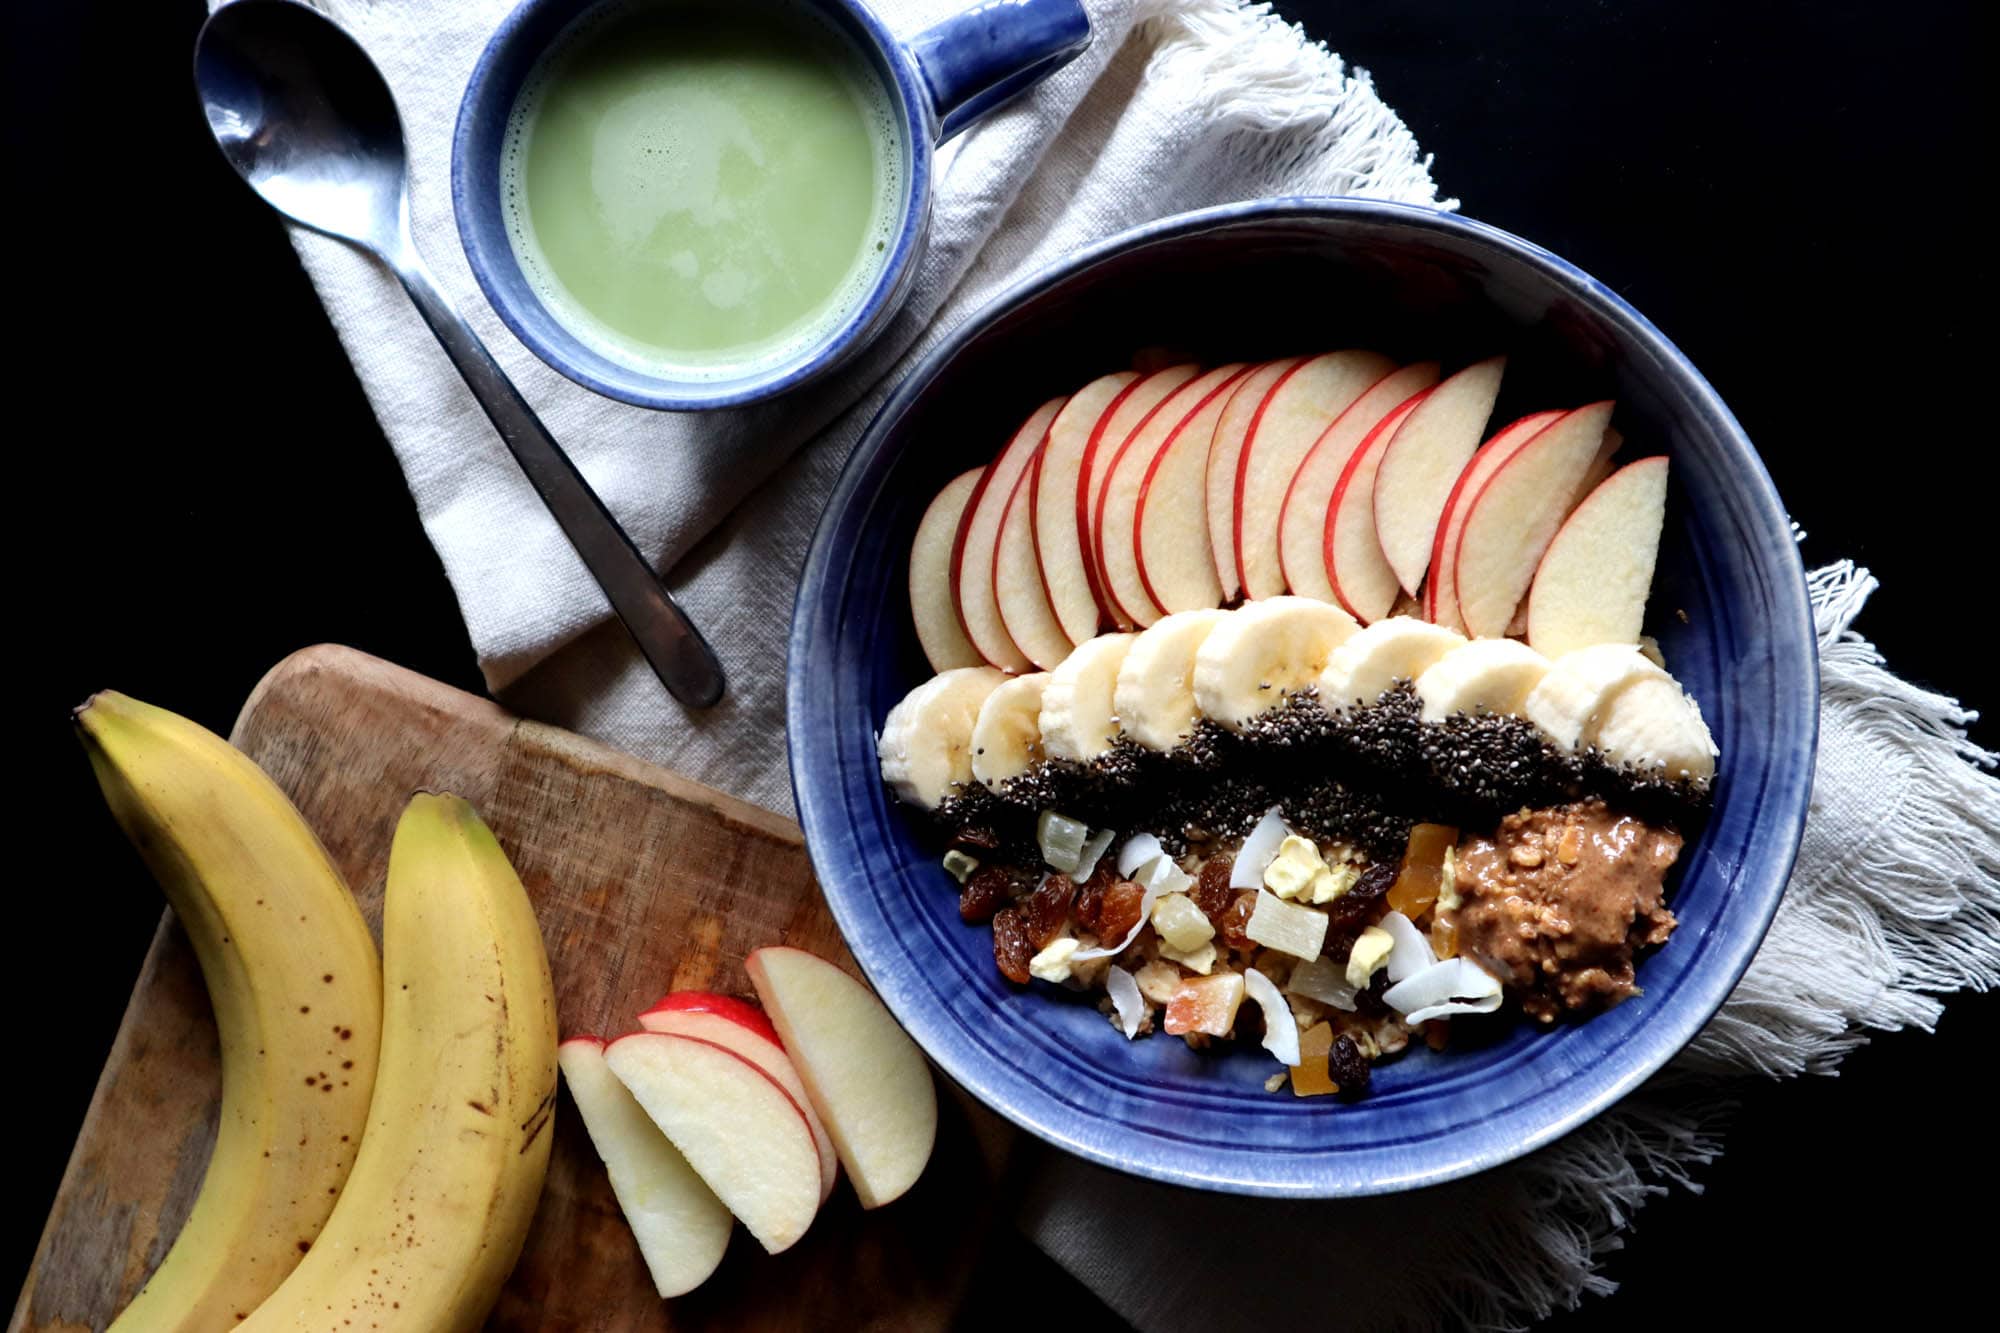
<point>940,81</point>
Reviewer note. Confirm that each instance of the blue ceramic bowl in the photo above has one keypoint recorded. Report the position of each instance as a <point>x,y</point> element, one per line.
<point>1257,280</point>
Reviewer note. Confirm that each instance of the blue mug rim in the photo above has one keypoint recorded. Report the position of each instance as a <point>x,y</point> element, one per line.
<point>823,817</point>
<point>489,262</point>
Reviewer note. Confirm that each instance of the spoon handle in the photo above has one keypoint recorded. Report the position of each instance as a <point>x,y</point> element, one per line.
<point>675,649</point>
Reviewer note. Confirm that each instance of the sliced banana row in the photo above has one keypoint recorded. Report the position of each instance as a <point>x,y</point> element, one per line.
<point>1232,667</point>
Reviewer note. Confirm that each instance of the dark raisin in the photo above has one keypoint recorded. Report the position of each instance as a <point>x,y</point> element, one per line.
<point>1368,1000</point>
<point>976,838</point>
<point>985,890</point>
<point>1120,910</point>
<point>1212,893</point>
<point>1012,949</point>
<point>1046,910</point>
<point>1360,906</point>
<point>1235,922</point>
<point>1347,1066</point>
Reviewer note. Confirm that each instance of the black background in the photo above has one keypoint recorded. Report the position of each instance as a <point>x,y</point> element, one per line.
<point>200,488</point>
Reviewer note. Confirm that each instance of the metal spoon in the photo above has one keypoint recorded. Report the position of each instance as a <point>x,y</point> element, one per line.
<point>304,116</point>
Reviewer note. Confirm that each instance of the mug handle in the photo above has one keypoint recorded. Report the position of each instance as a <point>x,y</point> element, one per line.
<point>973,62</point>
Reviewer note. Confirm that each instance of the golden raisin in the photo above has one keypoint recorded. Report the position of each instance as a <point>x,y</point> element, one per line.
<point>1012,950</point>
<point>985,890</point>
<point>1212,893</point>
<point>1047,909</point>
<point>1119,911</point>
<point>1235,923</point>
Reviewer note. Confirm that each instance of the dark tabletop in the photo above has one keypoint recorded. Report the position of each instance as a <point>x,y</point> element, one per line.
<point>1781,187</point>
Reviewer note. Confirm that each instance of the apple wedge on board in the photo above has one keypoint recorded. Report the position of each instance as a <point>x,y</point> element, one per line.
<point>1362,579</point>
<point>739,1130</point>
<point>1515,514</point>
<point>933,607</point>
<point>1219,476</point>
<point>1294,414</point>
<point>1441,589</point>
<point>979,535</point>
<point>1134,405</point>
<point>681,1227</point>
<point>1302,518</point>
<point>1593,581</point>
<point>723,1020</point>
<point>866,1078</point>
<point>1429,451</point>
<point>1058,525</point>
<point>1117,515</point>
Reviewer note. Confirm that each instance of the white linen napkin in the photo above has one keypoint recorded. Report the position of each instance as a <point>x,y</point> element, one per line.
<point>1178,104</point>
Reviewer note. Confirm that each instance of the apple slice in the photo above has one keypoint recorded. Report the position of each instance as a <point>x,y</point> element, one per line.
<point>1441,590</point>
<point>742,1028</point>
<point>1018,587</point>
<point>743,1135</point>
<point>1114,526</point>
<point>1292,417</point>
<point>866,1078</point>
<point>1302,518</point>
<point>1179,572</point>
<point>1219,477</point>
<point>979,536</point>
<point>1511,519</point>
<point>1362,579</point>
<point>1055,520</point>
<point>933,606</point>
<point>1134,404</point>
<point>682,1228</point>
<point>1592,584</point>
<point>1419,465</point>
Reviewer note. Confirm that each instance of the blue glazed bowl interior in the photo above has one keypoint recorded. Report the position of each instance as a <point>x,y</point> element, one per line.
<point>1728,606</point>
<point>509,60</point>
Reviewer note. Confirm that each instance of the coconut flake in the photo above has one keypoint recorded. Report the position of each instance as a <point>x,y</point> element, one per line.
<point>1259,849</point>
<point>1093,849</point>
<point>1137,853</point>
<point>1412,952</point>
<point>1454,986</point>
<point>1324,980</point>
<point>1281,1031</point>
<point>1125,998</point>
<point>1158,877</point>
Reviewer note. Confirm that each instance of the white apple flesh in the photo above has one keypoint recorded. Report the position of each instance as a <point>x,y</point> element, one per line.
<point>681,1227</point>
<point>1058,526</point>
<point>979,536</point>
<point>1134,405</point>
<point>1429,451</point>
<point>737,1128</point>
<point>1593,581</point>
<point>1516,513</point>
<point>1179,571</point>
<point>1362,579</point>
<point>1019,589</point>
<point>1302,518</point>
<point>866,1078</point>
<point>933,605</point>
<point>1292,417</point>
<point>1219,477</point>
<point>1115,524</point>
<point>1441,590</point>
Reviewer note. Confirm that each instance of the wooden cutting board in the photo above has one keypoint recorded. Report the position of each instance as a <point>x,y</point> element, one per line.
<point>643,882</point>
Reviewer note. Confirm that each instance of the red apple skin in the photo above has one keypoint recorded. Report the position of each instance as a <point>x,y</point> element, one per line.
<point>1377,440</point>
<point>740,1012</point>
<point>1086,485</point>
<point>1219,392</point>
<point>718,1046</point>
<point>1511,436</point>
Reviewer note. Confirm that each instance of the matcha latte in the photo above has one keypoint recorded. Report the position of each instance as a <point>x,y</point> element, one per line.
<point>701,188</point>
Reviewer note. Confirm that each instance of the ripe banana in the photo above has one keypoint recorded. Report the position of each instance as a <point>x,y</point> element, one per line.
<point>1154,695</point>
<point>1570,702</point>
<point>1653,725</point>
<point>1370,662</point>
<point>1007,735</point>
<point>297,991</point>
<point>1483,676</point>
<point>1078,719</point>
<point>926,743</point>
<point>457,1144</point>
<point>1265,651</point>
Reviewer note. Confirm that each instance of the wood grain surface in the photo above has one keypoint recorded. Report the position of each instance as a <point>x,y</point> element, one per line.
<point>643,882</point>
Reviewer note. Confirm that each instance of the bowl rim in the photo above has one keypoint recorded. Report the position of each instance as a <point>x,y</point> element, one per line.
<point>821,817</point>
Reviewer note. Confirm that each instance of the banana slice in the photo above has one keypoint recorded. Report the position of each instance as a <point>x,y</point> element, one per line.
<point>1369,663</point>
<point>926,742</point>
<point>1079,719</point>
<point>1155,693</point>
<point>1483,676</point>
<point>1007,736</point>
<point>1572,699</point>
<point>1652,725</point>
<point>1262,652</point>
